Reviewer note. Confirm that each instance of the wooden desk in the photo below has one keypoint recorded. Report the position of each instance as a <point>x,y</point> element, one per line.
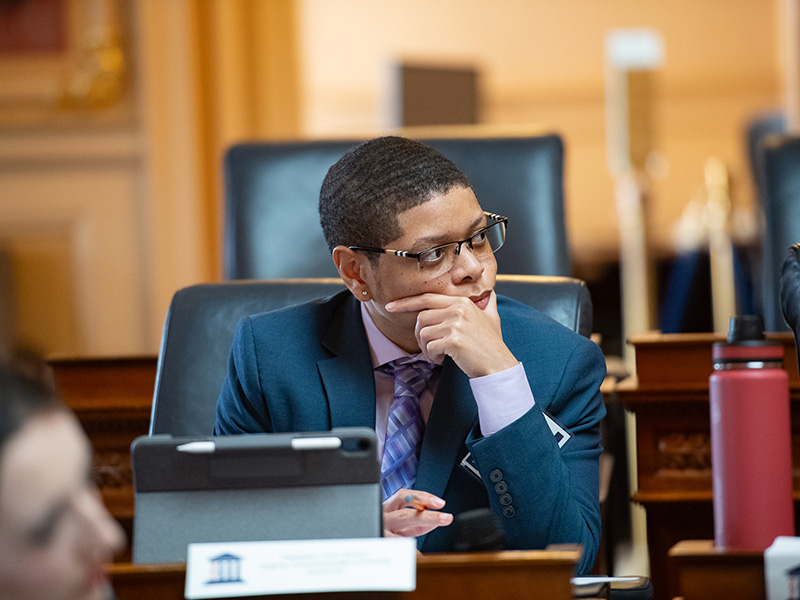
<point>704,572</point>
<point>673,449</point>
<point>519,575</point>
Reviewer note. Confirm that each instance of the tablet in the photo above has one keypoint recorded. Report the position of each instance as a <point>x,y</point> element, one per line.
<point>270,486</point>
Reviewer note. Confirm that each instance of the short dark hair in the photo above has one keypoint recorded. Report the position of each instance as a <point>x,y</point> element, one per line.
<point>365,191</point>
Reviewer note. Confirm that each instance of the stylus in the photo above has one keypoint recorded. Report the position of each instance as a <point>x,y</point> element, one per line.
<point>316,443</point>
<point>206,447</point>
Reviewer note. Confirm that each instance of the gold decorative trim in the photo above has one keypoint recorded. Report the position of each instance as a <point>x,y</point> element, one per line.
<point>89,76</point>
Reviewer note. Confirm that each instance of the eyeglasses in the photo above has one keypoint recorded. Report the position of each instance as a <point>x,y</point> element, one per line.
<point>440,259</point>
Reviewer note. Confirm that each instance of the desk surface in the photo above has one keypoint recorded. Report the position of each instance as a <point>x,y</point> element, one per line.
<point>517,575</point>
<point>705,572</point>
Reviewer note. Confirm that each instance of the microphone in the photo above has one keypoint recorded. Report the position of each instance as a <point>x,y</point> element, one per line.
<point>477,530</point>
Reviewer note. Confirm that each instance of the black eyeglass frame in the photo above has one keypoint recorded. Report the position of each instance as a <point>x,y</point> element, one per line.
<point>499,220</point>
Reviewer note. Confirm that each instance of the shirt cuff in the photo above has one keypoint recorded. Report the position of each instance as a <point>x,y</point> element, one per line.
<point>502,398</point>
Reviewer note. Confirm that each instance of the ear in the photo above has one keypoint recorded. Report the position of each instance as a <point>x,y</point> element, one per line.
<point>354,269</point>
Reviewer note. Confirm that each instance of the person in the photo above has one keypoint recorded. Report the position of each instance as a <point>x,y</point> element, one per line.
<point>416,252</point>
<point>55,533</point>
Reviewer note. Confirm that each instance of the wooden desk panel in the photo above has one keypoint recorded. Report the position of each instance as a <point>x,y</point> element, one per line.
<point>673,447</point>
<point>522,575</point>
<point>704,572</point>
<point>683,361</point>
<point>111,398</point>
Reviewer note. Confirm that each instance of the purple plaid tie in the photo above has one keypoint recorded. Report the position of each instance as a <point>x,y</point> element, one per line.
<point>405,427</point>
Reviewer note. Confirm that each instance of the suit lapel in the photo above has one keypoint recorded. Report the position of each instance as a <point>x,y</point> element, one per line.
<point>347,376</point>
<point>453,414</point>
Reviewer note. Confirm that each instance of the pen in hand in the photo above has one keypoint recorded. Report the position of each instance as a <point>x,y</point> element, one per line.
<point>415,503</point>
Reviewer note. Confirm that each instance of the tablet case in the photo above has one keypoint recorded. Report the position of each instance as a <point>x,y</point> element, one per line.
<point>279,486</point>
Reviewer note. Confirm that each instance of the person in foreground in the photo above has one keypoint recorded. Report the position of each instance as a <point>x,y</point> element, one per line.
<point>423,350</point>
<point>55,534</point>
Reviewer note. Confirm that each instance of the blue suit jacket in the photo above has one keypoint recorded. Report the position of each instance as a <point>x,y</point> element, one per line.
<point>308,368</point>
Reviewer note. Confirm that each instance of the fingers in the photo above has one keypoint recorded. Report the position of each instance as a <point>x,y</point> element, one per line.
<point>465,329</point>
<point>409,522</point>
<point>434,313</point>
<point>425,338</point>
<point>491,308</point>
<point>432,301</point>
<point>413,513</point>
<point>405,498</point>
<point>420,302</point>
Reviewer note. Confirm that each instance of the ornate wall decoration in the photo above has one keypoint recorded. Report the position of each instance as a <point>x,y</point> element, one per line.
<point>75,66</point>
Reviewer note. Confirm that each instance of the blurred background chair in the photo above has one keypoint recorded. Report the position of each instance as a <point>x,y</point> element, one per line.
<point>790,293</point>
<point>272,226</point>
<point>688,300</point>
<point>198,332</point>
<point>761,127</point>
<point>780,170</point>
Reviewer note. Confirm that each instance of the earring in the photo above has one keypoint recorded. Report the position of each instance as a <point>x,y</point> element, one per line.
<point>363,292</point>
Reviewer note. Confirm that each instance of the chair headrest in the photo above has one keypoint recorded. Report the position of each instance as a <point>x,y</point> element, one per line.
<point>790,287</point>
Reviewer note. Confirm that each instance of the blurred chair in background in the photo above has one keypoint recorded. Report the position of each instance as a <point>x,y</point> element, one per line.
<point>780,170</point>
<point>272,226</point>
<point>761,128</point>
<point>790,293</point>
<point>198,332</point>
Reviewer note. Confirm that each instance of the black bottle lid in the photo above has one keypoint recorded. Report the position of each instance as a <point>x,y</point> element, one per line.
<point>746,346</point>
<point>745,328</point>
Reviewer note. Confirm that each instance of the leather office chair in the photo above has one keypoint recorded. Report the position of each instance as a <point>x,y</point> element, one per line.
<point>760,128</point>
<point>201,321</point>
<point>780,165</point>
<point>790,293</point>
<point>272,190</point>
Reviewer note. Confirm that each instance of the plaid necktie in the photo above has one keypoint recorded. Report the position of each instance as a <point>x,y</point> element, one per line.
<point>405,426</point>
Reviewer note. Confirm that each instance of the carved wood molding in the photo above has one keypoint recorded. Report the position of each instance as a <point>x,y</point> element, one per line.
<point>684,452</point>
<point>112,470</point>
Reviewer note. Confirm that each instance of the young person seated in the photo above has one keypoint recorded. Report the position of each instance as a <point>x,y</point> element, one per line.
<point>55,533</point>
<point>423,350</point>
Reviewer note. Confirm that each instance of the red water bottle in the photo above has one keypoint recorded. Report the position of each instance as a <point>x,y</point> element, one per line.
<point>751,444</point>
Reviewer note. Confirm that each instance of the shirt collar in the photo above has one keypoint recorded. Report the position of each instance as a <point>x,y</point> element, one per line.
<point>381,349</point>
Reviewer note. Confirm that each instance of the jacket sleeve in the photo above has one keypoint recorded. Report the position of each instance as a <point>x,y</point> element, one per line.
<point>542,493</point>
<point>241,407</point>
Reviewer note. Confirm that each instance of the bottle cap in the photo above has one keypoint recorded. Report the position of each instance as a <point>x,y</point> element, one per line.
<point>745,328</point>
<point>746,346</point>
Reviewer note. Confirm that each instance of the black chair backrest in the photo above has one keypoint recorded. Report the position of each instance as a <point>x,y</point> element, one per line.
<point>790,293</point>
<point>780,163</point>
<point>272,226</point>
<point>201,321</point>
<point>759,129</point>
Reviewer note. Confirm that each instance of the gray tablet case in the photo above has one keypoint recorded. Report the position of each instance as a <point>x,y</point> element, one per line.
<point>281,486</point>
